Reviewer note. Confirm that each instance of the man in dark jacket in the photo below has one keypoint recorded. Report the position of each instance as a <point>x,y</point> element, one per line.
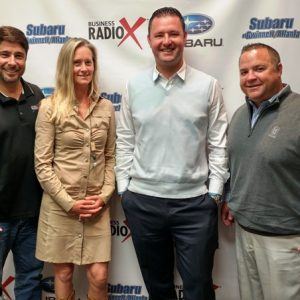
<point>20,192</point>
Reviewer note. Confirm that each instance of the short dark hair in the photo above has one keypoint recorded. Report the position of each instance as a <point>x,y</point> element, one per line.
<point>166,11</point>
<point>13,35</point>
<point>272,52</point>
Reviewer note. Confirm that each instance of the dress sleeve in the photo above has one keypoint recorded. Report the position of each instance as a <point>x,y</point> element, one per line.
<point>109,153</point>
<point>44,155</point>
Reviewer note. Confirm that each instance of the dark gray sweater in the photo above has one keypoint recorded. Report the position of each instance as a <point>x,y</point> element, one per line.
<point>265,166</point>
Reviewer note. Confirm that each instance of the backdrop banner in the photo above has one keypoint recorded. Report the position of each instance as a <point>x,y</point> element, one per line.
<point>217,30</point>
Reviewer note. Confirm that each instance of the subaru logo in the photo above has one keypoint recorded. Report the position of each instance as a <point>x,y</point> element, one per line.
<point>47,284</point>
<point>197,23</point>
<point>47,91</point>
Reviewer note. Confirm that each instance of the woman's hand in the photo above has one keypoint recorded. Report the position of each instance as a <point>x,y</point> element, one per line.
<point>87,208</point>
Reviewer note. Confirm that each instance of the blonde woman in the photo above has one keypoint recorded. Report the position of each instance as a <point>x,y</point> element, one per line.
<point>74,161</point>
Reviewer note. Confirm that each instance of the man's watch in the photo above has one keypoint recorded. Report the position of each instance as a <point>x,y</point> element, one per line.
<point>217,197</point>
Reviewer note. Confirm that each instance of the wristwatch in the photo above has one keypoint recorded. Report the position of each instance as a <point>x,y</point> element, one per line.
<point>217,198</point>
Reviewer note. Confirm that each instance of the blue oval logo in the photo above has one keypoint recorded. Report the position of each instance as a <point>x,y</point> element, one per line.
<point>197,23</point>
<point>47,91</point>
<point>47,284</point>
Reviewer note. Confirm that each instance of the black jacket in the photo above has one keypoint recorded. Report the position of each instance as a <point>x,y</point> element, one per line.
<point>20,192</point>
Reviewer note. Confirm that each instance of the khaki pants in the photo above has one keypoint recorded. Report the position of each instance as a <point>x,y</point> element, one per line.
<point>268,266</point>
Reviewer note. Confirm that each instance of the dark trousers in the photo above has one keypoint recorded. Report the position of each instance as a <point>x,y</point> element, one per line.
<point>19,236</point>
<point>159,224</point>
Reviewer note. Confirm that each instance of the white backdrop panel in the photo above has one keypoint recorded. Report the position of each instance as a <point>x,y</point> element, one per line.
<point>216,52</point>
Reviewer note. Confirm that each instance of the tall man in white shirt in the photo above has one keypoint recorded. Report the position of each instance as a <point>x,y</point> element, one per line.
<point>172,164</point>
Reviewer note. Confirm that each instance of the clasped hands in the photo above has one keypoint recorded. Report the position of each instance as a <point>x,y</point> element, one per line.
<point>88,207</point>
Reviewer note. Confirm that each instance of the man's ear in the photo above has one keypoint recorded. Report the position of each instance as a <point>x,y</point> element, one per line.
<point>185,35</point>
<point>148,39</point>
<point>279,68</point>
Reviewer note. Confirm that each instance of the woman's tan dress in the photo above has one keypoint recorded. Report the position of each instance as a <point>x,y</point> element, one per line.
<point>75,159</point>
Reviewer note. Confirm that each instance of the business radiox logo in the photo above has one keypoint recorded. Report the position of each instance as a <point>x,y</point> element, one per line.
<point>115,30</point>
<point>5,286</point>
<point>46,34</point>
<point>196,24</point>
<point>271,28</point>
<point>120,229</point>
<point>179,290</point>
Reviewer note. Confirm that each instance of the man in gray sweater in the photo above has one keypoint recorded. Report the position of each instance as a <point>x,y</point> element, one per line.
<point>264,153</point>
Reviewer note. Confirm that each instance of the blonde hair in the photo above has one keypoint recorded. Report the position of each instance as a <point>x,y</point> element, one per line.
<point>64,98</point>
